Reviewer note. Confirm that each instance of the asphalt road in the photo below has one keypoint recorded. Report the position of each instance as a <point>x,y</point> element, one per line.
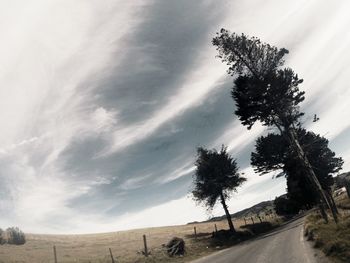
<point>284,245</point>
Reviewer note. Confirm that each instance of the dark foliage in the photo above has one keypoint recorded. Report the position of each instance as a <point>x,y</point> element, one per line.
<point>216,174</point>
<point>247,55</point>
<point>15,236</point>
<point>258,228</point>
<point>265,92</point>
<point>301,193</point>
<point>262,91</point>
<point>272,100</point>
<point>285,206</point>
<point>215,178</point>
<point>272,152</point>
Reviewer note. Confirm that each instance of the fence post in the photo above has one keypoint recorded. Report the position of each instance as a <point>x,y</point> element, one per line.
<point>145,245</point>
<point>252,219</point>
<point>54,253</point>
<point>216,229</point>
<point>110,252</point>
<point>245,222</point>
<point>195,232</point>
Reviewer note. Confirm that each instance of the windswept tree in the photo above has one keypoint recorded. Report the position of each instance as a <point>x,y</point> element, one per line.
<point>216,177</point>
<point>265,92</point>
<point>272,153</point>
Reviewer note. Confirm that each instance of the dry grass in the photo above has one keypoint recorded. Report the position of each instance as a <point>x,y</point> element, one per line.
<point>343,201</point>
<point>94,247</point>
<point>126,245</point>
<point>332,239</point>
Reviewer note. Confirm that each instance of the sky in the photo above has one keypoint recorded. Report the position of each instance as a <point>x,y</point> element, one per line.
<point>103,104</point>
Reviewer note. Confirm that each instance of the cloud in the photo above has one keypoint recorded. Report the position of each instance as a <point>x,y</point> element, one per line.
<point>193,92</point>
<point>104,104</point>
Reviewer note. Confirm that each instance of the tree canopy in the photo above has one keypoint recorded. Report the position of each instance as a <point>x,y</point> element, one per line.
<point>272,152</point>
<point>216,174</point>
<point>263,91</point>
<point>247,55</point>
<point>215,178</point>
<point>285,206</point>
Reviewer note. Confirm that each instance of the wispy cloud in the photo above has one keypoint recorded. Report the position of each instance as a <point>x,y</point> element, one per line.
<point>103,104</point>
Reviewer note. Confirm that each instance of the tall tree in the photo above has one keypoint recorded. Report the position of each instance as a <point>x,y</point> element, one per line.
<point>265,92</point>
<point>272,152</point>
<point>215,178</point>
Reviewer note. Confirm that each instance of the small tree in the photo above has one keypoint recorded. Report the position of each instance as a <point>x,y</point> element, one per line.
<point>15,236</point>
<point>265,92</point>
<point>215,178</point>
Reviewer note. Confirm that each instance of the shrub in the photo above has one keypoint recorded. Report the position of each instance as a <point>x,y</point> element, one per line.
<point>258,228</point>
<point>2,237</point>
<point>285,206</point>
<point>15,236</point>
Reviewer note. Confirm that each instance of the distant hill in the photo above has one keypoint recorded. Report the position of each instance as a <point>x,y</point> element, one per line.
<point>343,175</point>
<point>255,209</point>
<point>340,179</point>
<point>259,208</point>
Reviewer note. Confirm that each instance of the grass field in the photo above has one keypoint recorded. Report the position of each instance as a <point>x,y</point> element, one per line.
<point>333,239</point>
<point>125,245</point>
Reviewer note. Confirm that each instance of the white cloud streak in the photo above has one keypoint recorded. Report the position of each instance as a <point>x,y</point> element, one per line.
<point>54,52</point>
<point>190,94</point>
<point>46,56</point>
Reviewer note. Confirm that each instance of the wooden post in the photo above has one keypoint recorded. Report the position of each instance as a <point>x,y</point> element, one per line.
<point>54,253</point>
<point>110,252</point>
<point>195,232</point>
<point>145,245</point>
<point>252,219</point>
<point>216,229</point>
<point>245,222</point>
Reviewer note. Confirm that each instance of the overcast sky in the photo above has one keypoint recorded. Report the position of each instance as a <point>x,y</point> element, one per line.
<point>103,103</point>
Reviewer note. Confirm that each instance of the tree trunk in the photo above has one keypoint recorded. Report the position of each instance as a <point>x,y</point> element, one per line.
<point>323,212</point>
<point>258,216</point>
<point>311,174</point>
<point>331,202</point>
<point>228,216</point>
